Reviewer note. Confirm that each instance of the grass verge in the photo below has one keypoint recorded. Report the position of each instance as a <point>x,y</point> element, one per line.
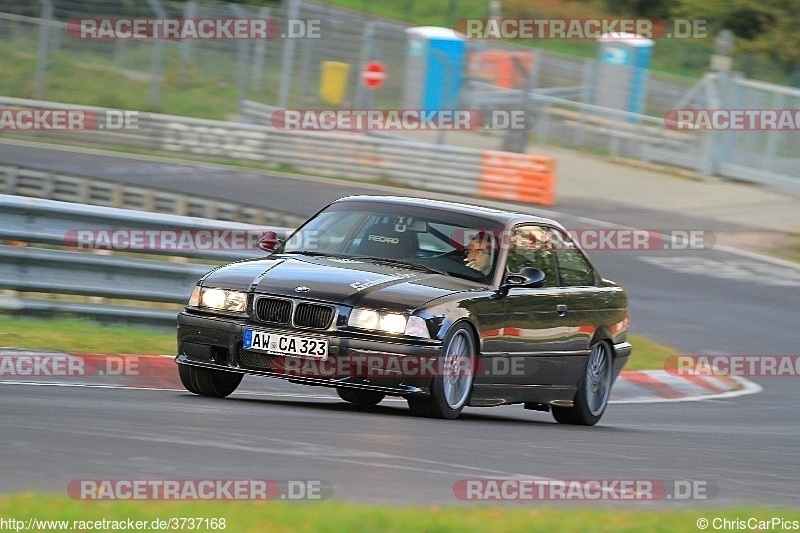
<point>86,336</point>
<point>791,253</point>
<point>332,517</point>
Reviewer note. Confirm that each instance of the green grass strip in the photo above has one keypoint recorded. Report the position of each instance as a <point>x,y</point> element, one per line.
<point>87,336</point>
<point>334,517</point>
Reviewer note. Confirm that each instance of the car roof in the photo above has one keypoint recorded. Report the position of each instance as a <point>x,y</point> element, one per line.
<point>505,217</point>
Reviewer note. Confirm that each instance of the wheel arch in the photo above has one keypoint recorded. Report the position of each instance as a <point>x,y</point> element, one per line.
<point>604,335</point>
<point>473,329</point>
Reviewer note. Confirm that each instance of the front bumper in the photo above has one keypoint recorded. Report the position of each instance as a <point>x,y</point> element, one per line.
<point>216,342</point>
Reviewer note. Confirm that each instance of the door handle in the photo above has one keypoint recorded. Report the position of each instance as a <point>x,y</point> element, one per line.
<point>561,310</point>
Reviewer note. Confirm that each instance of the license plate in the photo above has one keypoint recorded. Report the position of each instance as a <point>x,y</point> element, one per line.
<point>279,344</point>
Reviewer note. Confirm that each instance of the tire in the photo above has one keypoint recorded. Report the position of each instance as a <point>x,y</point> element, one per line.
<point>594,389</point>
<point>208,382</point>
<point>360,397</point>
<point>185,372</point>
<point>450,391</point>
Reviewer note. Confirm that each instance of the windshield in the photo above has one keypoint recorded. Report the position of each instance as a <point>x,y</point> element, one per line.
<point>411,236</point>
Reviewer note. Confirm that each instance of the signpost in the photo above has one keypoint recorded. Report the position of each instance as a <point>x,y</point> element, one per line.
<point>373,75</point>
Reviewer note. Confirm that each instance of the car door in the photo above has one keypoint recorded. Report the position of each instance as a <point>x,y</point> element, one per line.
<point>583,301</point>
<point>535,333</point>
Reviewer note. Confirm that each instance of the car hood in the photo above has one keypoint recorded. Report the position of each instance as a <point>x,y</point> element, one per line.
<point>339,280</point>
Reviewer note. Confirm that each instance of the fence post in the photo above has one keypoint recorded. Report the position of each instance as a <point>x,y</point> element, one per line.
<point>305,65</point>
<point>364,56</point>
<point>714,85</point>
<point>517,140</point>
<point>44,49</point>
<point>242,51</point>
<point>287,62</point>
<point>189,12</point>
<point>778,102</point>
<point>158,55</point>
<point>259,53</point>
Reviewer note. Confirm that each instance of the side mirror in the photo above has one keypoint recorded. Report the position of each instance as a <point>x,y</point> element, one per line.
<point>527,277</point>
<point>268,241</point>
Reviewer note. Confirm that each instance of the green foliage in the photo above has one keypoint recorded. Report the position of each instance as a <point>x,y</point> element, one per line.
<point>767,28</point>
<point>640,8</point>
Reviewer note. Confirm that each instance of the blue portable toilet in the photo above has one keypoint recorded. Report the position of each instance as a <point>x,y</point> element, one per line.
<point>620,79</point>
<point>435,60</point>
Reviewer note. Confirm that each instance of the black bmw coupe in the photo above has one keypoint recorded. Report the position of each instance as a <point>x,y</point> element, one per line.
<point>446,305</point>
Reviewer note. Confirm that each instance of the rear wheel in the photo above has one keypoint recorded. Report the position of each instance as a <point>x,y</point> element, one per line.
<point>208,382</point>
<point>452,386</point>
<point>360,397</point>
<point>593,390</point>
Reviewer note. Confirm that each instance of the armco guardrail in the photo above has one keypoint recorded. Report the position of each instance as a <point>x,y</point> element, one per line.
<point>413,164</point>
<point>67,266</point>
<point>19,181</point>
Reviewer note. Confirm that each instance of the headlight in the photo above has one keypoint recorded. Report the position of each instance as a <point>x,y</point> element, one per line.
<point>388,322</point>
<point>219,299</point>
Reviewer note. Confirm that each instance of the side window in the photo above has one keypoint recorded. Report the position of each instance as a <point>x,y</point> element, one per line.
<point>530,247</point>
<point>573,268</point>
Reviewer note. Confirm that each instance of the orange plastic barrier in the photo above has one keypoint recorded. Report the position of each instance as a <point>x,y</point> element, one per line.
<point>507,69</point>
<point>517,177</point>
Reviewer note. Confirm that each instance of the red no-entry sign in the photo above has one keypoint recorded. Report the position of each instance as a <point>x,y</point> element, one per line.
<point>373,74</point>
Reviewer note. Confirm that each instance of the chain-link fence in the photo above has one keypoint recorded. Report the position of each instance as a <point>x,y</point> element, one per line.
<point>41,58</point>
<point>171,75</point>
<point>769,155</point>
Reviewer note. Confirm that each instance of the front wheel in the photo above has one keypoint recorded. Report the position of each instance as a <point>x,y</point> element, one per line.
<point>208,382</point>
<point>593,390</point>
<point>452,385</point>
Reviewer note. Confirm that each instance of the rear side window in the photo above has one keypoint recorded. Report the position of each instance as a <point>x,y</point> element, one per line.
<point>574,269</point>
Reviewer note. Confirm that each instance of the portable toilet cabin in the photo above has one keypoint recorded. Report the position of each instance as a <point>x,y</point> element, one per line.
<point>620,76</point>
<point>435,60</point>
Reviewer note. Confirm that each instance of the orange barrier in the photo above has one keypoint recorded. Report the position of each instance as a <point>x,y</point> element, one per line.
<point>506,69</point>
<point>517,177</point>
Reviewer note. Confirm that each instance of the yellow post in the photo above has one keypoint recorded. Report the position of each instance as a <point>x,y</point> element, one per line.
<point>333,81</point>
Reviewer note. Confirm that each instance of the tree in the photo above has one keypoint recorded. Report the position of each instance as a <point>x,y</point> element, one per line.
<point>641,8</point>
<point>769,28</point>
